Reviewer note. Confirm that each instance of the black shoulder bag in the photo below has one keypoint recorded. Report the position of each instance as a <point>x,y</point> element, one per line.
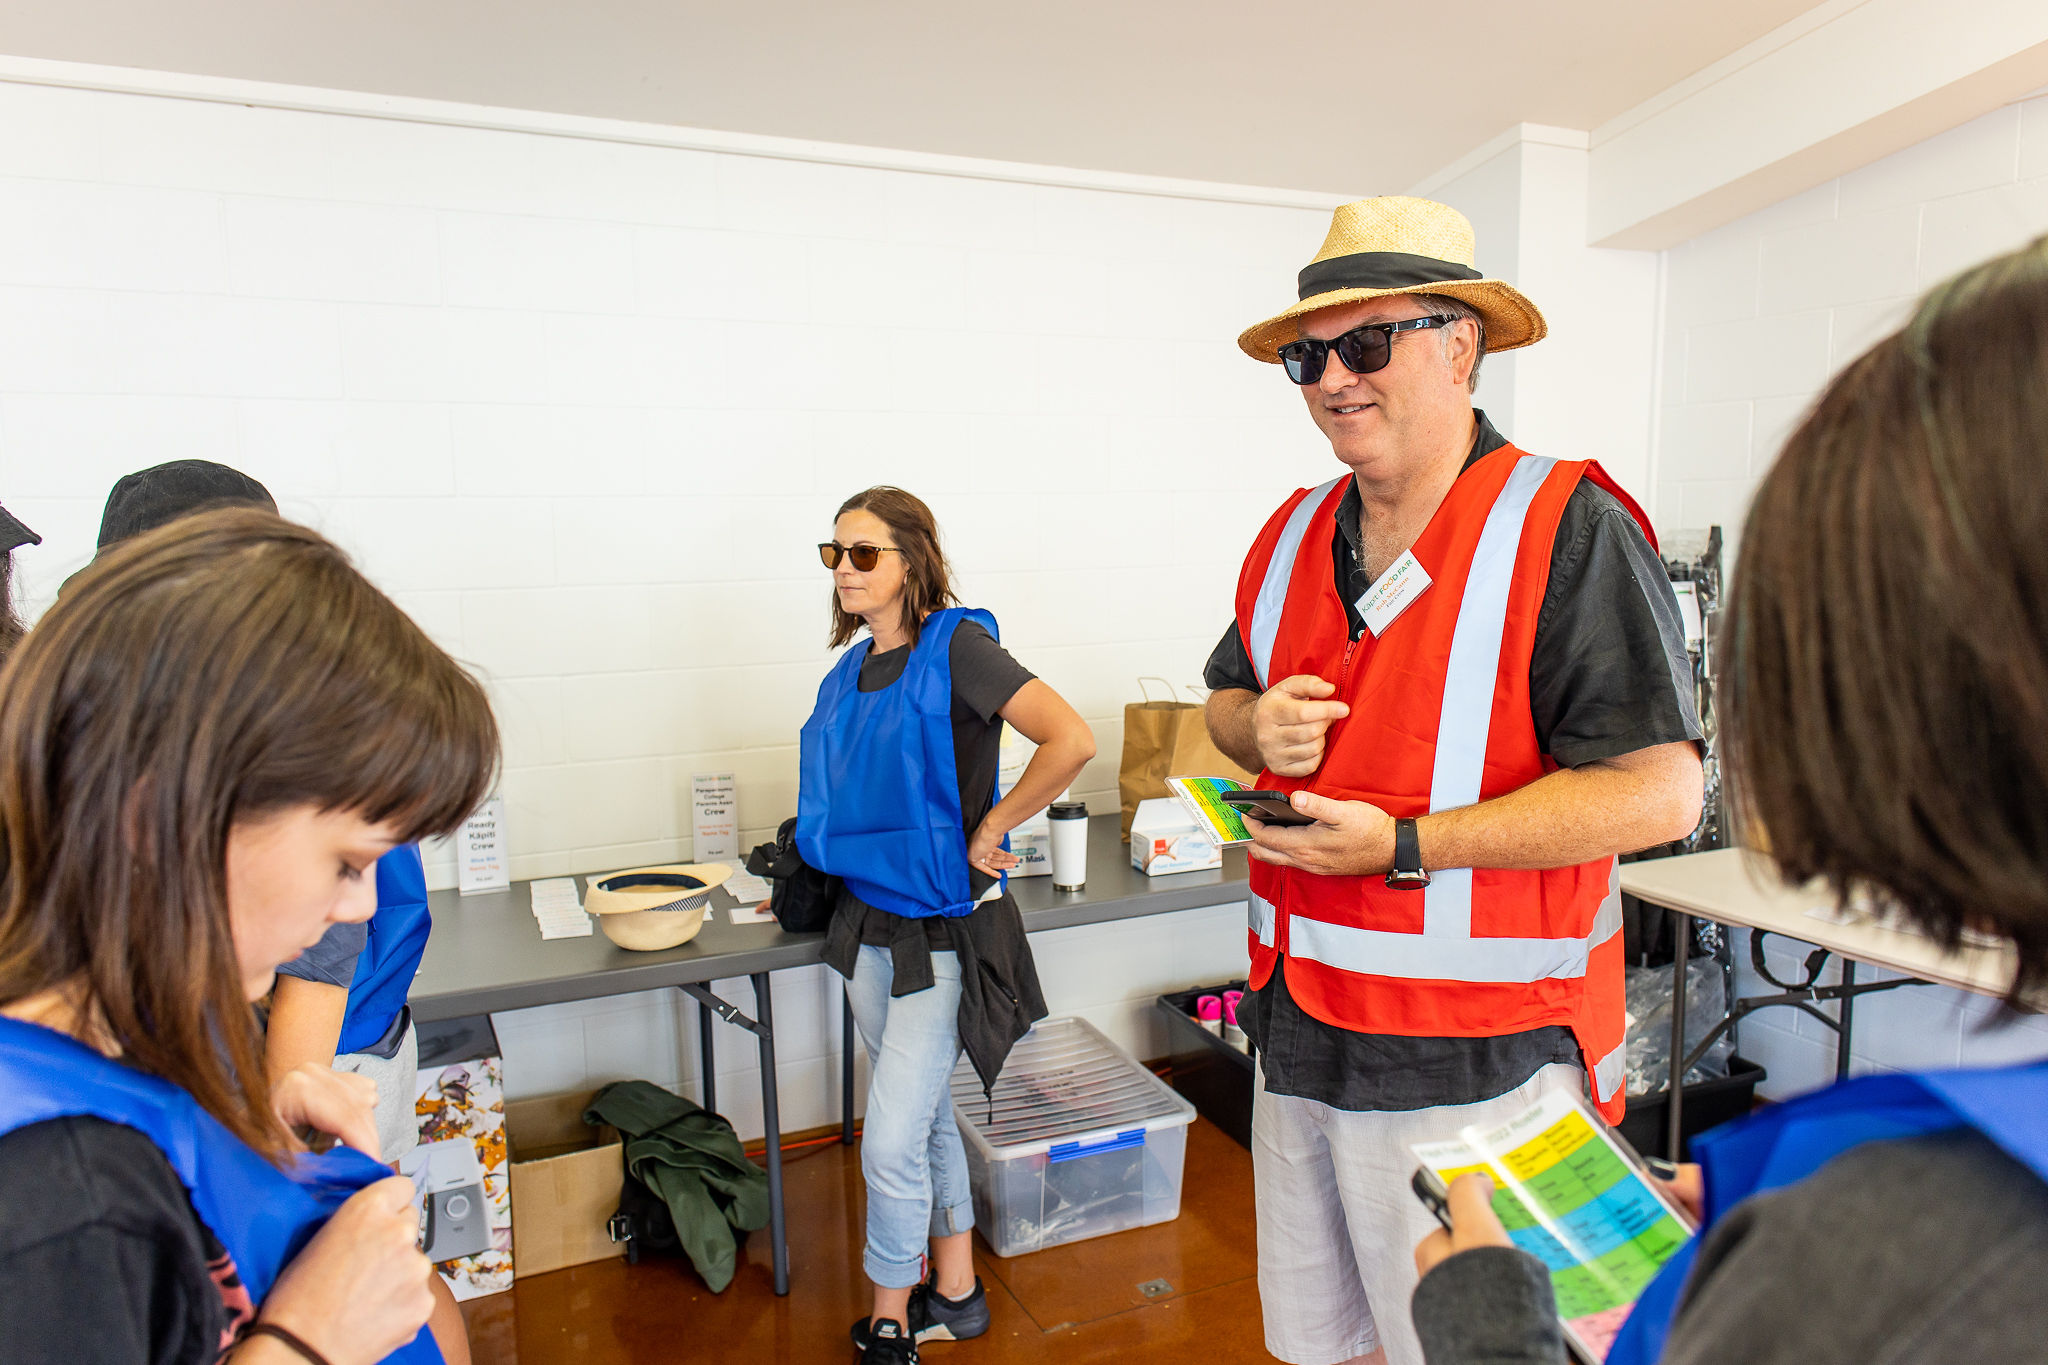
<point>801,897</point>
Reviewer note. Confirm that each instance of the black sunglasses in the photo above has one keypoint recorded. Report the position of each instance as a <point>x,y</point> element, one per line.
<point>864,557</point>
<point>1362,349</point>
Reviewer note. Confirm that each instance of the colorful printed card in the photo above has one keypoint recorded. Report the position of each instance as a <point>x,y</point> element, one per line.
<point>1572,1195</point>
<point>1201,797</point>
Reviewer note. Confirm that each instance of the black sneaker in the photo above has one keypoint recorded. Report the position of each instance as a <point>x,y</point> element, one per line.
<point>885,1345</point>
<point>934,1317</point>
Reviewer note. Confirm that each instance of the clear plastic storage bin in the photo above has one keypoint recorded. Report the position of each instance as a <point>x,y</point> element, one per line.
<point>1077,1140</point>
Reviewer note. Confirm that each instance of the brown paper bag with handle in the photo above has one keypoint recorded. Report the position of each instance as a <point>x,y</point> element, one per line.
<point>1165,739</point>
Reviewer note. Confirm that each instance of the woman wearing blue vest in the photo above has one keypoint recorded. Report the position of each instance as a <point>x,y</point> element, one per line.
<point>1887,699</point>
<point>898,799</point>
<point>205,747</point>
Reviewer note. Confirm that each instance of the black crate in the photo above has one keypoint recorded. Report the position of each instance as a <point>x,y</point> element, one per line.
<point>1215,1077</point>
<point>1708,1104</point>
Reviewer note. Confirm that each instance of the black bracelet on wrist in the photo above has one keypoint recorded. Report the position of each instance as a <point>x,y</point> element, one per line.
<point>260,1328</point>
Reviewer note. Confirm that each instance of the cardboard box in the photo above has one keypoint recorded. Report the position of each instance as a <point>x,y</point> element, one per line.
<point>1165,838</point>
<point>565,1184</point>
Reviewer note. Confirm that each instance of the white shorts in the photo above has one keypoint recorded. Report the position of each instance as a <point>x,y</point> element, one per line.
<point>398,1123</point>
<point>1338,1222</point>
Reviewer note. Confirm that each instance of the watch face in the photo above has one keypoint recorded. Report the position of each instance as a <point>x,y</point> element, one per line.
<point>1408,881</point>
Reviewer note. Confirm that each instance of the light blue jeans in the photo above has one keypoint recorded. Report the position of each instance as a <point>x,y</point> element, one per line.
<point>910,1148</point>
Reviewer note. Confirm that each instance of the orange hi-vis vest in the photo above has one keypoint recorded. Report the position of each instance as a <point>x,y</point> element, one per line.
<point>1439,718</point>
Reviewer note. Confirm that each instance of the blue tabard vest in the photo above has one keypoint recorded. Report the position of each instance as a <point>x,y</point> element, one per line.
<point>1788,1142</point>
<point>391,956</point>
<point>878,803</point>
<point>262,1215</point>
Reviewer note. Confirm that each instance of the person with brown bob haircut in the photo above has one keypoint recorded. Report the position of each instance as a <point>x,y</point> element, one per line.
<point>1887,705</point>
<point>204,747</point>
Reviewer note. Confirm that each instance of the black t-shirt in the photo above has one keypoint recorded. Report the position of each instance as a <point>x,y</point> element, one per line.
<point>101,1257</point>
<point>331,961</point>
<point>1608,675</point>
<point>985,677</point>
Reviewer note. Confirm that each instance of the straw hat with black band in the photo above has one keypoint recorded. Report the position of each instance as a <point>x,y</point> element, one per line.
<point>1399,245</point>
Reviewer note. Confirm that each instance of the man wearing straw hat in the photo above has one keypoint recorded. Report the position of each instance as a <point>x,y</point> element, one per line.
<point>1465,663</point>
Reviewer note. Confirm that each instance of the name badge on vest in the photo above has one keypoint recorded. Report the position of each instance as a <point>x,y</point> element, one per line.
<point>1403,582</point>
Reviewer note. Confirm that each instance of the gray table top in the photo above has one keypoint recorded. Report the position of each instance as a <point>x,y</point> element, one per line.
<point>487,953</point>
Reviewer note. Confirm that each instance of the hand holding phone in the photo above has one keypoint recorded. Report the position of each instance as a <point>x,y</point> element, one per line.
<point>1268,808</point>
<point>1465,1212</point>
<point>1434,1194</point>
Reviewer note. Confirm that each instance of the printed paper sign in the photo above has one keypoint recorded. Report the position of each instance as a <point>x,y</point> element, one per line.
<point>714,817</point>
<point>480,850</point>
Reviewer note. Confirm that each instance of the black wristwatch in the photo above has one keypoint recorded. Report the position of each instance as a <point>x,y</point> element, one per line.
<point>1407,873</point>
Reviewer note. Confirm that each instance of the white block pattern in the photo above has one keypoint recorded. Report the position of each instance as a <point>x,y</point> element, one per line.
<point>584,409</point>
<point>1757,316</point>
<point>1910,1028</point>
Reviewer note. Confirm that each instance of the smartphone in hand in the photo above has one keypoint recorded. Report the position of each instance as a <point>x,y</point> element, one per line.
<point>1268,808</point>
<point>1434,1194</point>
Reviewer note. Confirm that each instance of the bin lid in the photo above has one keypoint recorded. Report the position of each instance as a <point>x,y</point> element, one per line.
<point>1064,1081</point>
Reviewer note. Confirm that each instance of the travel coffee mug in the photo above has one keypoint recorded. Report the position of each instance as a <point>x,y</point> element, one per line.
<point>1069,821</point>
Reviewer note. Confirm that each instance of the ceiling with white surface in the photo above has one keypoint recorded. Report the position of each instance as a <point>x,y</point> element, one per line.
<point>1347,98</point>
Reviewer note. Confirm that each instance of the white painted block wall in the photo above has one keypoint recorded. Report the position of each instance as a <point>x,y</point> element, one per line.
<point>1758,315</point>
<point>585,407</point>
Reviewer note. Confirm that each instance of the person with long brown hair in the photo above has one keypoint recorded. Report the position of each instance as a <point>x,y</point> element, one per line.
<point>898,799</point>
<point>204,747</point>
<point>1887,712</point>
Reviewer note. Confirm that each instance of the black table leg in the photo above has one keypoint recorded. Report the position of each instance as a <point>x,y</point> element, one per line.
<point>1674,1133</point>
<point>763,1030</point>
<point>846,1069</point>
<point>1848,1002</point>
<point>771,1123</point>
<point>707,1057</point>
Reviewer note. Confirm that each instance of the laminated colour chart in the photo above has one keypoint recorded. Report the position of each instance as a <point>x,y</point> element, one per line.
<point>1570,1198</point>
<point>1200,796</point>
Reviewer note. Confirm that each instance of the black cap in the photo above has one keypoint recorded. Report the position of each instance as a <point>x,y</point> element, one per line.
<point>148,498</point>
<point>13,535</point>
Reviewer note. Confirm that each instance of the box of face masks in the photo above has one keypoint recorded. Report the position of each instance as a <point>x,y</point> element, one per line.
<point>1032,842</point>
<point>1165,838</point>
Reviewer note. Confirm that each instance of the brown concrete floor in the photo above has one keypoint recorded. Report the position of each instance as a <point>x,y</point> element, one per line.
<point>1072,1305</point>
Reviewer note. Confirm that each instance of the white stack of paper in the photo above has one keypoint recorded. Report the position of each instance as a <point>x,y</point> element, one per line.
<point>750,891</point>
<point>559,910</point>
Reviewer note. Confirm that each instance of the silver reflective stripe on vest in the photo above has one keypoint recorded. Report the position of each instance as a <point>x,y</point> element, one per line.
<point>1262,919</point>
<point>1467,715</point>
<point>1609,1072</point>
<point>1420,957</point>
<point>1272,599</point>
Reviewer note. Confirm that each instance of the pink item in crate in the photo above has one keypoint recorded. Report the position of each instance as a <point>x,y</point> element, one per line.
<point>1209,1013</point>
<point>1232,1034</point>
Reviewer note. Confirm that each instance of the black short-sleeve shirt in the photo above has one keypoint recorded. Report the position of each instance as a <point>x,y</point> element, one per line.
<point>331,961</point>
<point>985,677</point>
<point>1609,675</point>
<point>101,1257</point>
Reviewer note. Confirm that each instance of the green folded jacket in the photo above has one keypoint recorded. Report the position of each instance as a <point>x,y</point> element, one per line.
<point>692,1160</point>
